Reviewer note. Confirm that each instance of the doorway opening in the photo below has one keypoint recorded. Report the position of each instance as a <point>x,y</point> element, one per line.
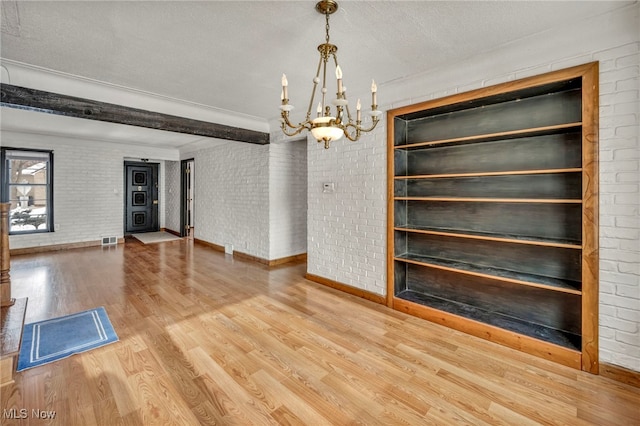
<point>141,197</point>
<point>187,181</point>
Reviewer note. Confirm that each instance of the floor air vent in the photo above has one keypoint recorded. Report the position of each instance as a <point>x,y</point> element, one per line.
<point>109,241</point>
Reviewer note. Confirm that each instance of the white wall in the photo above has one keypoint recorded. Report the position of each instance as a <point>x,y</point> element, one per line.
<point>253,197</point>
<point>347,229</point>
<point>232,196</point>
<point>287,198</point>
<point>172,195</point>
<point>88,186</point>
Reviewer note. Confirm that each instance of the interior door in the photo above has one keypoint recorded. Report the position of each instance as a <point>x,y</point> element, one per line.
<point>186,203</point>
<point>141,202</point>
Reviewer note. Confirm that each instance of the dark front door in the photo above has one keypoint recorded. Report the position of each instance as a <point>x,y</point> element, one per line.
<point>141,192</point>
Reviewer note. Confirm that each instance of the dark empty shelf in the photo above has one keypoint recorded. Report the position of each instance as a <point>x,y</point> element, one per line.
<point>490,200</point>
<point>494,213</point>
<point>530,187</point>
<point>536,331</point>
<point>566,286</point>
<point>490,137</point>
<point>491,236</point>
<point>551,221</point>
<point>496,173</point>
<point>512,95</point>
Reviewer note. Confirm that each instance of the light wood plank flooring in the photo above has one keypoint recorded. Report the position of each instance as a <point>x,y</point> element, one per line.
<point>208,339</point>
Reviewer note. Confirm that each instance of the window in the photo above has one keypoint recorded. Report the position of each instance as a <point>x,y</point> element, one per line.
<point>27,184</point>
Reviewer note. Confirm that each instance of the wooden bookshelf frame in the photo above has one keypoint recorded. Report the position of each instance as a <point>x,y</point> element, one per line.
<point>587,357</point>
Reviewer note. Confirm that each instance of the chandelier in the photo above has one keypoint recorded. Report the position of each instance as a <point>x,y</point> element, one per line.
<point>324,126</point>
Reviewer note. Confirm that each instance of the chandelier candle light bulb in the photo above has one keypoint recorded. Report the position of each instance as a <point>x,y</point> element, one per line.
<point>374,91</point>
<point>285,83</point>
<point>326,127</point>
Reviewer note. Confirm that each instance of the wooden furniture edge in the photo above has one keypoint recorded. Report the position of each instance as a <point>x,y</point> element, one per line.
<point>5,257</point>
<point>620,374</point>
<point>545,350</point>
<point>12,315</point>
<point>7,367</point>
<point>58,247</point>
<point>364,294</point>
<point>12,328</point>
<point>390,209</point>
<point>590,232</point>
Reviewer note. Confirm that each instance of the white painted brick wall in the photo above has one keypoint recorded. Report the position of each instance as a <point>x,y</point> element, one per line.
<point>232,196</point>
<point>347,229</point>
<point>172,195</point>
<point>620,205</point>
<point>88,186</point>
<point>287,198</point>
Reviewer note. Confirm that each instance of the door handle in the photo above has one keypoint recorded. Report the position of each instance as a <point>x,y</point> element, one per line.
<point>155,201</point>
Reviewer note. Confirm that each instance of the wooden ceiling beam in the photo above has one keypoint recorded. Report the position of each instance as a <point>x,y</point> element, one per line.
<point>71,106</point>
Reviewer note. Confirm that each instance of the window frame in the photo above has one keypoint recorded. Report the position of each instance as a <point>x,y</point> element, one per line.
<point>5,192</point>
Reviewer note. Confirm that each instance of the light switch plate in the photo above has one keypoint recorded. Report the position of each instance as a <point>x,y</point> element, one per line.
<point>328,187</point>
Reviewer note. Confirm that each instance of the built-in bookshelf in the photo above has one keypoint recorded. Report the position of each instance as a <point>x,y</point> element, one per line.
<point>493,213</point>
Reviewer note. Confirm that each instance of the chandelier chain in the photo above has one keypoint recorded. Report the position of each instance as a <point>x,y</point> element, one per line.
<point>326,15</point>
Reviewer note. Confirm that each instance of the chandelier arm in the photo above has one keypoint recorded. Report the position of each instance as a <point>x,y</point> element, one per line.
<point>298,129</point>
<point>348,111</point>
<point>315,87</point>
<point>285,120</point>
<point>353,138</point>
<point>373,125</point>
<point>323,57</point>
<point>292,133</point>
<point>287,123</point>
<point>357,130</point>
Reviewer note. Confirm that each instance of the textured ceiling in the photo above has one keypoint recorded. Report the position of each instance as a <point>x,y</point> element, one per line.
<point>231,54</point>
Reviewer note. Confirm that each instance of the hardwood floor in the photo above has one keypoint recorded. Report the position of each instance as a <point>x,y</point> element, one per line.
<point>208,339</point>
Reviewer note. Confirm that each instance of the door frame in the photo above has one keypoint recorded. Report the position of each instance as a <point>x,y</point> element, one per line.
<point>155,167</point>
<point>184,182</point>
